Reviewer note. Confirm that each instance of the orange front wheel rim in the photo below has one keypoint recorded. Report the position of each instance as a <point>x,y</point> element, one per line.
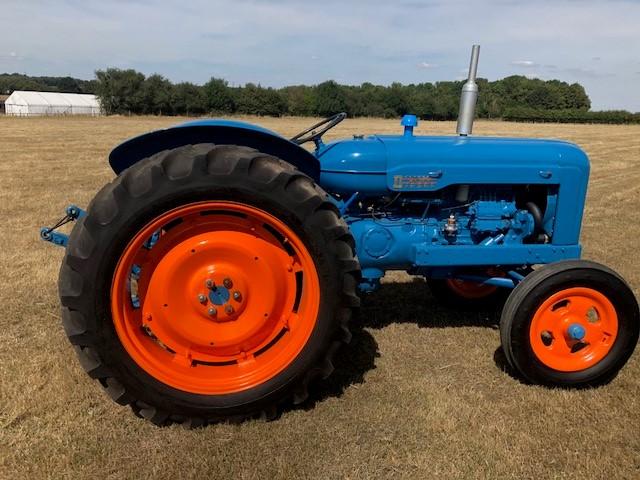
<point>215,297</point>
<point>573,329</point>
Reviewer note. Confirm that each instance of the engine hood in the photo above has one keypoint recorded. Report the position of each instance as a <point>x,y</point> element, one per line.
<point>433,162</point>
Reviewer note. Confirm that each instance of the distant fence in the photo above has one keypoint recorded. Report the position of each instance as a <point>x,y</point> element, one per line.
<point>49,110</point>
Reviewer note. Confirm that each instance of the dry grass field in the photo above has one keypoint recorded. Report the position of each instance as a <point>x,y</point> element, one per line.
<point>420,393</point>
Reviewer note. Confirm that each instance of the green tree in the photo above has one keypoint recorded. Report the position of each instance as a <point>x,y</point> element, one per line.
<point>395,100</point>
<point>256,100</point>
<point>120,91</point>
<point>157,92</point>
<point>299,99</point>
<point>330,99</point>
<point>189,99</point>
<point>219,95</point>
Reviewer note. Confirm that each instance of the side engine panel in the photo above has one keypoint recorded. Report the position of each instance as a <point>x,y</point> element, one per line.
<point>458,226</point>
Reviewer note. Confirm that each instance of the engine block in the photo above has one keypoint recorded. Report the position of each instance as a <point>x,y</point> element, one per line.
<point>441,231</point>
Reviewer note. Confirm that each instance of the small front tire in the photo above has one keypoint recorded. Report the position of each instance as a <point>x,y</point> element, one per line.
<point>570,324</point>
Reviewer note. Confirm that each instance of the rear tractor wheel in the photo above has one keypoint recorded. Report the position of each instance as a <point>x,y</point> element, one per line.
<point>570,324</point>
<point>208,283</point>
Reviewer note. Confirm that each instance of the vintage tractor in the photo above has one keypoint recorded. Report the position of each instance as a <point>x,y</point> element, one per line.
<point>217,274</point>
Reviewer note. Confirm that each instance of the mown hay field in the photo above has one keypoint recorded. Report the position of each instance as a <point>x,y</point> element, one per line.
<point>420,393</point>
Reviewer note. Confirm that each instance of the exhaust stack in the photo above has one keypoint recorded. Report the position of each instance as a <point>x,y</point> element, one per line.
<point>469,96</point>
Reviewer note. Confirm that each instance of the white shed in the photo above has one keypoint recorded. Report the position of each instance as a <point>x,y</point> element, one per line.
<point>51,103</point>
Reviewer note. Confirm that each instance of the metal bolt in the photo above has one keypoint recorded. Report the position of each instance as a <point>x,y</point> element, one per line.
<point>237,296</point>
<point>202,298</point>
<point>210,284</point>
<point>227,283</point>
<point>212,311</point>
<point>229,309</point>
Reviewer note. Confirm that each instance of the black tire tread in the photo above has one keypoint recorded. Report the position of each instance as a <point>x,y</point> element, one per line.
<point>176,166</point>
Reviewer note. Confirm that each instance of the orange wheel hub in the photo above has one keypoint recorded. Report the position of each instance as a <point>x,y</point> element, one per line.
<point>222,300</point>
<point>573,329</point>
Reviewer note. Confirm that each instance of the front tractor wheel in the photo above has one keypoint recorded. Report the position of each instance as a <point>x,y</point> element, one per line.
<point>208,283</point>
<point>570,324</point>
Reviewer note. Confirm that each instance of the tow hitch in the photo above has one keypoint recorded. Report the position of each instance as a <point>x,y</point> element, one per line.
<point>49,234</point>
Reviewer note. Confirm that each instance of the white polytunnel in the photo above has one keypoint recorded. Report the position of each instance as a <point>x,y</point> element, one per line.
<point>22,103</point>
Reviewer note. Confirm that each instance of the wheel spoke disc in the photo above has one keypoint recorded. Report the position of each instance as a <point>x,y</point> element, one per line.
<point>222,300</point>
<point>573,329</point>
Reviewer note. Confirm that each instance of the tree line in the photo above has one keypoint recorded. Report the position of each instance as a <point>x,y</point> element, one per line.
<point>516,98</point>
<point>524,114</point>
<point>130,92</point>
<point>16,81</point>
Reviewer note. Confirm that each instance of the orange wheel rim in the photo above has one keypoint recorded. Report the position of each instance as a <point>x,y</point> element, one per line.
<point>470,290</point>
<point>573,329</point>
<point>215,297</point>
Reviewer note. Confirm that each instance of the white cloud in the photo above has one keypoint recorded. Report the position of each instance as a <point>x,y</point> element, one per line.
<point>587,72</point>
<point>524,63</point>
<point>426,65</point>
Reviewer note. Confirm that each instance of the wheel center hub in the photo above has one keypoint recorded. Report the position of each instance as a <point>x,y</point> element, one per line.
<point>225,296</point>
<point>219,295</point>
<point>576,331</point>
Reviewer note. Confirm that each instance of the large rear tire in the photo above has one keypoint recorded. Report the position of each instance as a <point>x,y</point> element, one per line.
<point>208,283</point>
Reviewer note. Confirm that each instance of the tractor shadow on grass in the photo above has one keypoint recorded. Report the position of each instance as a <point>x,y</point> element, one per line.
<point>408,302</point>
<point>412,302</point>
<point>501,362</point>
<point>351,363</point>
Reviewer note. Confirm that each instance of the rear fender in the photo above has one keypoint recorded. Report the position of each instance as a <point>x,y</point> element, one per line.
<point>227,132</point>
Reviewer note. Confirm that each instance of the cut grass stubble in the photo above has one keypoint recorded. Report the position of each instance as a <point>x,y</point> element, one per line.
<point>419,392</point>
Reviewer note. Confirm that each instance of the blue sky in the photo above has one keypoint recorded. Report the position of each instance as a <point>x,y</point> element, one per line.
<point>276,43</point>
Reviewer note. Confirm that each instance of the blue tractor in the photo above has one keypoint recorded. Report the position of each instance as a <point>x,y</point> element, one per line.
<point>214,278</point>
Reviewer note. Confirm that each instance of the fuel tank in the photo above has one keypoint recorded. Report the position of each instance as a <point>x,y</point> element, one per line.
<point>378,164</point>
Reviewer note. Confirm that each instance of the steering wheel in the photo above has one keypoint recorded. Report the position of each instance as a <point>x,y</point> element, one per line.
<point>311,135</point>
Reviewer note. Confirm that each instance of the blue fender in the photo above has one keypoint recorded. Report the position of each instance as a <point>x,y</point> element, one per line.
<point>226,132</point>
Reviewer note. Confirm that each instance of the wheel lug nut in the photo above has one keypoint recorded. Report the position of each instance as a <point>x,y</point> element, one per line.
<point>210,284</point>
<point>229,309</point>
<point>212,311</point>
<point>237,296</point>
<point>202,298</point>
<point>227,283</point>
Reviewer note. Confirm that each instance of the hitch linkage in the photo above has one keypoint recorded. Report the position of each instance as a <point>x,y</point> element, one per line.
<point>49,234</point>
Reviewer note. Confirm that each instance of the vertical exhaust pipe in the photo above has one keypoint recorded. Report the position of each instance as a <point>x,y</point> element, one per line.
<point>469,96</point>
